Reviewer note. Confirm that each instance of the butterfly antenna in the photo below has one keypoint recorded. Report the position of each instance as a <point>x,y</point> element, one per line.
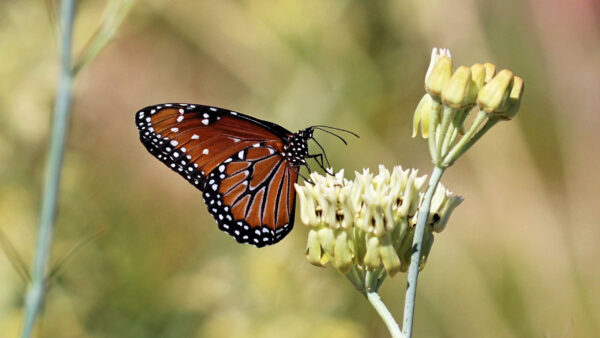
<point>340,129</point>
<point>332,133</point>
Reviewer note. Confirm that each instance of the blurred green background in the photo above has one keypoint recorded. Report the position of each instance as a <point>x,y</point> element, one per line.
<point>518,259</point>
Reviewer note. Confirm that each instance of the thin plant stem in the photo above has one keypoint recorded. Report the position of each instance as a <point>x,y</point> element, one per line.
<point>14,258</point>
<point>469,138</point>
<point>35,293</point>
<point>355,278</point>
<point>433,121</point>
<point>115,13</point>
<point>415,258</point>
<point>447,115</point>
<point>385,314</point>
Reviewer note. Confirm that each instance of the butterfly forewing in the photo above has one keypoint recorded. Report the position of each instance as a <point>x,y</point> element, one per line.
<point>236,160</point>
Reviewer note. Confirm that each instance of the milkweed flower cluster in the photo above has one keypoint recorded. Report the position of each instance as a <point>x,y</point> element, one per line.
<point>381,224</point>
<point>367,224</point>
<point>453,95</point>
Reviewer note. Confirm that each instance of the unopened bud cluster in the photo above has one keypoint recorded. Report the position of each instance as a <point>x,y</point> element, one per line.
<point>452,95</point>
<point>366,224</point>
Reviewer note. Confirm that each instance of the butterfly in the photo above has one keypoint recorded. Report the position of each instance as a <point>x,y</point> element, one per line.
<point>245,167</point>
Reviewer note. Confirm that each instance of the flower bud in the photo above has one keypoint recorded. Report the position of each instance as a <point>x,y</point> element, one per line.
<point>492,98</point>
<point>426,248</point>
<point>424,113</point>
<point>477,81</point>
<point>438,73</point>
<point>478,75</point>
<point>372,259</point>
<point>342,253</point>
<point>456,93</point>
<point>389,257</point>
<point>490,71</point>
<point>442,205</point>
<point>514,99</point>
<point>444,214</point>
<point>313,249</point>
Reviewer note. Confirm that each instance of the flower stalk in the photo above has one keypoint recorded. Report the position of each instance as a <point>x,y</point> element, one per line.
<point>385,314</point>
<point>364,227</point>
<point>417,248</point>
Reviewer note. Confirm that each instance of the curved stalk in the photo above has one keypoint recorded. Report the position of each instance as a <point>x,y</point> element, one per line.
<point>385,314</point>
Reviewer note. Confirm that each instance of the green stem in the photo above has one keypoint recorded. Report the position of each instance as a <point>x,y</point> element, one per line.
<point>115,13</point>
<point>433,122</point>
<point>35,293</point>
<point>448,139</point>
<point>356,279</point>
<point>448,114</point>
<point>385,314</point>
<point>470,137</point>
<point>415,258</point>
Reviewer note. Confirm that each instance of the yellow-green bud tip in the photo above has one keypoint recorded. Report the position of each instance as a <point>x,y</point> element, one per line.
<point>439,72</point>
<point>514,99</point>
<point>492,98</point>
<point>456,93</point>
<point>425,112</point>
<point>490,71</point>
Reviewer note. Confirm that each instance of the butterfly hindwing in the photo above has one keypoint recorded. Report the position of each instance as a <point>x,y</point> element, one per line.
<point>252,197</point>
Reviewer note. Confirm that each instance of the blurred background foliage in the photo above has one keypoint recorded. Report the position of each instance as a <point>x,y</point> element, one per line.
<point>519,257</point>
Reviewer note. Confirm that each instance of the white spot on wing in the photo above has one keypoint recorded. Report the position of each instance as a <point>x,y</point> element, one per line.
<point>205,122</point>
<point>195,137</point>
<point>205,151</point>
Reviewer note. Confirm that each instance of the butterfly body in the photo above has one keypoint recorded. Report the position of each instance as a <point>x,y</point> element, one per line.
<point>245,167</point>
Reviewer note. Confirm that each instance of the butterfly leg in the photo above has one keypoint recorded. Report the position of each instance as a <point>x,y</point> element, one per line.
<point>297,171</point>
<point>319,159</point>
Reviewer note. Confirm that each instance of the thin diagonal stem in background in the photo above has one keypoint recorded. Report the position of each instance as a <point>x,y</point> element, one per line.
<point>35,293</point>
<point>415,258</point>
